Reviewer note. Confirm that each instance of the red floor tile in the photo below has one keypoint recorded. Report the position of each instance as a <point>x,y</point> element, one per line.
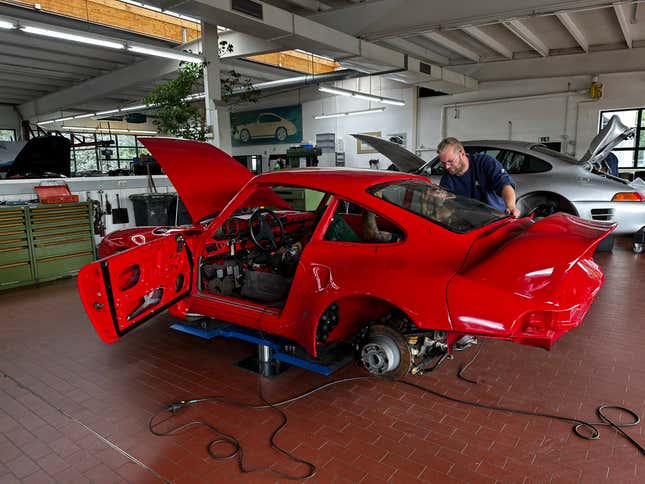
<point>369,431</point>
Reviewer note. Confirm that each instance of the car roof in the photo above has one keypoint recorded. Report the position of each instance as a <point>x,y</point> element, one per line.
<point>504,144</point>
<point>347,182</point>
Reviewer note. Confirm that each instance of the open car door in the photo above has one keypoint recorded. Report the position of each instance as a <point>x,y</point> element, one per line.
<point>122,291</point>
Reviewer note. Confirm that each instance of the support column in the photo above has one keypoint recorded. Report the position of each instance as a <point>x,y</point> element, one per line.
<point>215,118</point>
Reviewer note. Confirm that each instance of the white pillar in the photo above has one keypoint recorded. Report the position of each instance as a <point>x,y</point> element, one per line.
<point>216,119</point>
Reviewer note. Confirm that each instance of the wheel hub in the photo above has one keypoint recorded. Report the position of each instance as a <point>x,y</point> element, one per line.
<point>380,355</point>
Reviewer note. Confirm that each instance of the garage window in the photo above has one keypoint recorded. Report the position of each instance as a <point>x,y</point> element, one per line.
<point>7,134</point>
<point>121,152</point>
<point>631,152</point>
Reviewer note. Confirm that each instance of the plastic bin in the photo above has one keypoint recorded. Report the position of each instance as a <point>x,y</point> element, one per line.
<point>152,208</point>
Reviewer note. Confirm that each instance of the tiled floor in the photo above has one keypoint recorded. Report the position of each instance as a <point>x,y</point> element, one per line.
<point>61,388</point>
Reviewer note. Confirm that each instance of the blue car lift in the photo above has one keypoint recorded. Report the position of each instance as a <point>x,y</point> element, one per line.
<point>275,354</point>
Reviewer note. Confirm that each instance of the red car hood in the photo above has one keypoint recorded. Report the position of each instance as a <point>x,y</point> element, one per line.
<point>205,177</point>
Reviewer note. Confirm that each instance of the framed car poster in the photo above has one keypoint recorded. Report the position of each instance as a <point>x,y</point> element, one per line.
<point>281,125</point>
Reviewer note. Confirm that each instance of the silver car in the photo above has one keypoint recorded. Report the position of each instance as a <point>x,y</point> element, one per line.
<point>549,181</point>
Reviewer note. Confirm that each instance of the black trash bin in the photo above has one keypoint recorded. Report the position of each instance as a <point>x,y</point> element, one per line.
<point>152,208</point>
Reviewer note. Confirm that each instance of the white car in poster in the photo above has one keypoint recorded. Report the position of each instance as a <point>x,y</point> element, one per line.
<point>267,125</point>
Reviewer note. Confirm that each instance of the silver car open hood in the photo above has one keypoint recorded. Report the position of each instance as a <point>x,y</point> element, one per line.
<point>609,137</point>
<point>403,159</point>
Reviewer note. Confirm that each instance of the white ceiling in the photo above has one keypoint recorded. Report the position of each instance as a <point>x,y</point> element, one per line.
<point>485,41</point>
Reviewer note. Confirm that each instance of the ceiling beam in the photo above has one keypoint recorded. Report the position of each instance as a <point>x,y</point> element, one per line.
<point>574,29</point>
<point>624,23</point>
<point>527,36</point>
<point>452,45</point>
<point>421,52</point>
<point>311,5</point>
<point>111,82</point>
<point>489,41</point>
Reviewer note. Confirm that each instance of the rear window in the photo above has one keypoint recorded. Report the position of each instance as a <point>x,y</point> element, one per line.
<point>456,213</point>
<point>555,154</point>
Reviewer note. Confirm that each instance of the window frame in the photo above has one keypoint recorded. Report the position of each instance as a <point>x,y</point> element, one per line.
<point>640,118</point>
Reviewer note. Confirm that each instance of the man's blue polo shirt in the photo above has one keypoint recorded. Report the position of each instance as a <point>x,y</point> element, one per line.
<point>483,181</point>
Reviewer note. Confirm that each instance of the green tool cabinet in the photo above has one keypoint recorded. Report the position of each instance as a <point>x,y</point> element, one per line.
<point>44,242</point>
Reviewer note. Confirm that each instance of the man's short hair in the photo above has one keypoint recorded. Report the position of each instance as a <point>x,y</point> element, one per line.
<point>449,143</point>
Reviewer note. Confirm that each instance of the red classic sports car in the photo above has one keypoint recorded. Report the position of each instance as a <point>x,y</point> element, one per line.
<point>386,260</point>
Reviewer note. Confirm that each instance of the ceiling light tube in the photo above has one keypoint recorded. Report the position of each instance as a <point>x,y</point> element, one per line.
<point>110,111</point>
<point>43,123</point>
<point>394,102</point>
<point>333,115</point>
<point>80,116</point>
<point>60,120</point>
<point>334,90</point>
<point>349,113</point>
<point>7,25</point>
<point>361,95</point>
<point>166,53</point>
<point>57,34</point>
<point>132,108</point>
<point>365,111</point>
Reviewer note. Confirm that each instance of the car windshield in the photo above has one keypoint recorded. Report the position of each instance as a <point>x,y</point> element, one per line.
<point>456,213</point>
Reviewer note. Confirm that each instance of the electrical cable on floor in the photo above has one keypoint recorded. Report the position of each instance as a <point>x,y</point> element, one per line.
<point>460,373</point>
<point>89,429</point>
<point>592,432</point>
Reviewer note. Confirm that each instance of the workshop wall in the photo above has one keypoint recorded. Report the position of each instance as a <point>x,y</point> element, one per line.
<point>559,109</point>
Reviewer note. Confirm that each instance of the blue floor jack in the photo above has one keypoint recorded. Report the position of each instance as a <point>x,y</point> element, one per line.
<point>275,354</point>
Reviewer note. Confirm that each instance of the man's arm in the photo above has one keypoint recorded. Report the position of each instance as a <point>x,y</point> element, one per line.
<point>508,194</point>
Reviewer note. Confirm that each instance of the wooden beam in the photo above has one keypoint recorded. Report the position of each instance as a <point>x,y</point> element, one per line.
<point>297,61</point>
<point>114,13</point>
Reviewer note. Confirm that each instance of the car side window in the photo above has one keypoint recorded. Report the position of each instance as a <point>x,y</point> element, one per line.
<point>353,223</point>
<point>517,163</point>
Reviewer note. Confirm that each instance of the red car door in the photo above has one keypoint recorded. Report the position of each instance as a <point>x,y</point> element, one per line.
<point>126,289</point>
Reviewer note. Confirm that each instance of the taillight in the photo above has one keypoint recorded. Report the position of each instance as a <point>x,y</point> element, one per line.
<point>628,197</point>
<point>537,322</point>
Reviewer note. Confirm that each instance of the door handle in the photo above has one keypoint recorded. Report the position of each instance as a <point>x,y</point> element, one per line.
<point>151,299</point>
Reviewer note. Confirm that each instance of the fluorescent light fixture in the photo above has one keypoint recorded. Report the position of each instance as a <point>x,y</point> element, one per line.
<point>107,130</point>
<point>151,7</point>
<point>348,113</point>
<point>194,97</point>
<point>361,95</point>
<point>333,90</point>
<point>88,115</point>
<point>132,108</point>
<point>57,34</point>
<point>43,123</point>
<point>60,120</point>
<point>7,25</point>
<point>365,111</point>
<point>109,111</point>
<point>167,53</point>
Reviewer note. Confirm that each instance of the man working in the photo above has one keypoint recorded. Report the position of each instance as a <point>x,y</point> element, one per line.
<point>477,176</point>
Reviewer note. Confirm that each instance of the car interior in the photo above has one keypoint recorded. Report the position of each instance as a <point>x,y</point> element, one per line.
<point>254,254</point>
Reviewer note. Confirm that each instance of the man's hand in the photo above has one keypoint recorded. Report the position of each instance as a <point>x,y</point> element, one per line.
<point>513,211</point>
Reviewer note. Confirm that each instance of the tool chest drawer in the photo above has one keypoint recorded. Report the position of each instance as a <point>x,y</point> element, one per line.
<point>44,242</point>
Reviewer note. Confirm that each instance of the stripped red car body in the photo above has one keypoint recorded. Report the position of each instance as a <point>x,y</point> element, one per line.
<point>404,301</point>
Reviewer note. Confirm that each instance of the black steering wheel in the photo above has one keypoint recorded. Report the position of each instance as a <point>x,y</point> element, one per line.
<point>261,230</point>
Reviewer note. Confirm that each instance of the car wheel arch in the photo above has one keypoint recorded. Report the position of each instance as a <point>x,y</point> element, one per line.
<point>342,318</point>
<point>529,201</point>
